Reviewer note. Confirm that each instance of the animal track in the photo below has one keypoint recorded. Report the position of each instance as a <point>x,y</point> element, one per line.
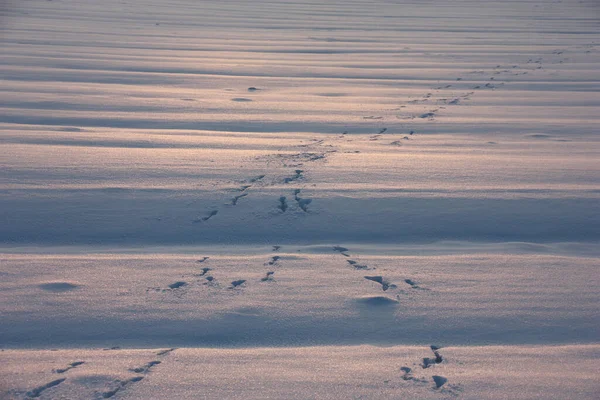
<point>235,199</point>
<point>342,250</point>
<point>356,265</point>
<point>71,366</point>
<point>304,157</point>
<point>283,203</point>
<point>413,284</point>
<point>210,280</point>
<point>120,386</point>
<point>407,376</point>
<point>274,260</point>
<point>237,283</point>
<point>295,177</point>
<point>173,288</point>
<point>177,285</point>
<point>439,381</point>
<point>144,369</point>
<point>204,271</point>
<point>256,179</point>
<point>385,285</point>
<point>38,390</point>
<point>164,352</point>
<point>428,362</point>
<point>268,277</point>
<point>302,203</point>
<point>209,216</point>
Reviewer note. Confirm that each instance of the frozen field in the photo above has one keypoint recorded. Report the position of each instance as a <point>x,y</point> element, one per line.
<point>299,200</point>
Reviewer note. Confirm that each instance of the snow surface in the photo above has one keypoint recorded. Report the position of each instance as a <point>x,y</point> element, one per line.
<point>293,199</point>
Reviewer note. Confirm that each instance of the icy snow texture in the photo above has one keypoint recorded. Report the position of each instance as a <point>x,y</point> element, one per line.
<point>350,174</point>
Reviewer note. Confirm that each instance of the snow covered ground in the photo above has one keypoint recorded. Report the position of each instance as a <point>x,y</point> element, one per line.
<point>300,198</point>
<point>356,372</point>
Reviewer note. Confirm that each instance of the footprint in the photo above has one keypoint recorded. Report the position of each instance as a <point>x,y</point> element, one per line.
<point>428,362</point>
<point>177,285</point>
<point>407,376</point>
<point>268,277</point>
<point>342,250</point>
<point>302,203</point>
<point>144,369</point>
<point>237,283</point>
<point>413,284</point>
<point>204,271</point>
<point>236,198</point>
<point>256,179</point>
<point>71,366</point>
<point>120,386</point>
<point>439,381</point>
<point>283,203</point>
<point>274,260</point>
<point>210,280</point>
<point>209,216</point>
<point>356,265</point>
<point>38,390</point>
<point>295,177</point>
<point>385,285</point>
<point>164,352</point>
